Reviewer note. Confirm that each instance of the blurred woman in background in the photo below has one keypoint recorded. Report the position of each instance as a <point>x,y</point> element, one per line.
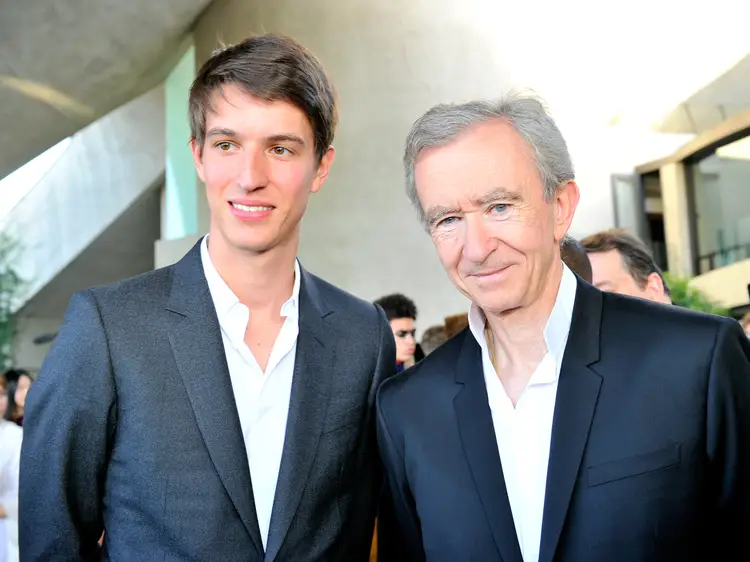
<point>18,381</point>
<point>10,455</point>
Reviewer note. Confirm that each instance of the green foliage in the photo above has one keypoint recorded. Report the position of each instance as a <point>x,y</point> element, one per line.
<point>690,297</point>
<point>10,286</point>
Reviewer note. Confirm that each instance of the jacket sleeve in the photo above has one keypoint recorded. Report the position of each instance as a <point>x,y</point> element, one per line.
<point>386,364</point>
<point>69,426</point>
<point>399,531</point>
<point>728,441</point>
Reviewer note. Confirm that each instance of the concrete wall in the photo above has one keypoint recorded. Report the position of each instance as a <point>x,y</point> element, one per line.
<point>390,62</point>
<point>27,354</point>
<point>105,169</point>
<point>167,252</point>
<point>726,285</point>
<point>62,223</point>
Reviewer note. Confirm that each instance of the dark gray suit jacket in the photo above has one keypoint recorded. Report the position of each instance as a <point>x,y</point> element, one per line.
<point>132,427</point>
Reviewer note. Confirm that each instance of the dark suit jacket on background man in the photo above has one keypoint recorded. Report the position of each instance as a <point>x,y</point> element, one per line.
<point>650,452</point>
<point>133,425</point>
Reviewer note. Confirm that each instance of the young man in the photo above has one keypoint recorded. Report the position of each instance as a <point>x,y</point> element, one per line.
<point>565,424</point>
<point>220,408</point>
<point>402,315</point>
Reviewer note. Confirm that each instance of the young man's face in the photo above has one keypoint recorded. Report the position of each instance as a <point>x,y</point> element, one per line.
<point>405,336</point>
<point>259,165</point>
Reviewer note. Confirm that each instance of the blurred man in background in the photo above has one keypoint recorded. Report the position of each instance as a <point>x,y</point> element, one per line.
<point>621,263</point>
<point>402,316</point>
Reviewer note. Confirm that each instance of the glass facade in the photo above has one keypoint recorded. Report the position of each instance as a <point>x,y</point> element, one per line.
<point>720,186</point>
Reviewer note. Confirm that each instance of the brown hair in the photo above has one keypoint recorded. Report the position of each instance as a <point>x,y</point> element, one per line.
<point>432,338</point>
<point>272,68</point>
<point>455,323</point>
<point>576,258</point>
<point>635,254</point>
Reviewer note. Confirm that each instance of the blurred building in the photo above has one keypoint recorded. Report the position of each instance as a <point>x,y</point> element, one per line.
<point>696,200</point>
<point>99,182</point>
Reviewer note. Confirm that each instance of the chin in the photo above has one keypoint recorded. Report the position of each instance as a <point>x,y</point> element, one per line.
<point>254,245</point>
<point>497,305</point>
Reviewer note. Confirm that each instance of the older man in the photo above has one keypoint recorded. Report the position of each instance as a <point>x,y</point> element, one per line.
<point>565,424</point>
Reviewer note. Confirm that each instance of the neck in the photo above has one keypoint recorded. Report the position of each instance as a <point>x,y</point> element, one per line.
<point>518,334</point>
<point>261,281</point>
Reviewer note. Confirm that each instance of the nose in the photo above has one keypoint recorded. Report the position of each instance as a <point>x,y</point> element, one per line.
<point>254,172</point>
<point>478,242</point>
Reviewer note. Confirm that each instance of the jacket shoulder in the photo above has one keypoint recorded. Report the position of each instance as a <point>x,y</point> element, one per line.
<point>431,375</point>
<point>150,288</point>
<point>342,301</point>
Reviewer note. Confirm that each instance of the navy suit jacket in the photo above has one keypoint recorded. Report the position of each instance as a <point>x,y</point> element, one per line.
<point>132,427</point>
<point>650,450</point>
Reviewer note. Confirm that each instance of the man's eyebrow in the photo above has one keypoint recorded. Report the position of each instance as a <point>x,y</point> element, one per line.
<point>220,132</point>
<point>286,137</point>
<point>435,214</point>
<point>498,194</point>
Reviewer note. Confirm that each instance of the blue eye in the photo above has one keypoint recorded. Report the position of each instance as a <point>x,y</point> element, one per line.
<point>447,221</point>
<point>501,208</point>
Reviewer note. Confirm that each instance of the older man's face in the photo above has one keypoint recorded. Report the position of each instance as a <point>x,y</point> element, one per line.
<point>496,235</point>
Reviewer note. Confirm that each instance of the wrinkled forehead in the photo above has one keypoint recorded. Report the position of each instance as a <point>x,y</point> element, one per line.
<point>482,159</point>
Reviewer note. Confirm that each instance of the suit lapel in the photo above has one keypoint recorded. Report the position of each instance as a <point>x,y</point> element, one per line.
<point>480,447</point>
<point>198,350</point>
<point>577,396</point>
<point>311,386</point>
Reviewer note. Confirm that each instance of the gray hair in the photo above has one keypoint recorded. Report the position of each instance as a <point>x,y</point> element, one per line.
<point>526,114</point>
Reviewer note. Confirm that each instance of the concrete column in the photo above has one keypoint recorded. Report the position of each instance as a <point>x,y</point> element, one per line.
<point>677,231</point>
<point>180,215</point>
<point>184,208</point>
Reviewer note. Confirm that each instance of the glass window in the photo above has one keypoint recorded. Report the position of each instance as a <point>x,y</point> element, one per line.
<point>721,197</point>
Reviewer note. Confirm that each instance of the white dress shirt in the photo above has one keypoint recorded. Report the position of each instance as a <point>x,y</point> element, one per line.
<point>523,433</point>
<point>262,398</point>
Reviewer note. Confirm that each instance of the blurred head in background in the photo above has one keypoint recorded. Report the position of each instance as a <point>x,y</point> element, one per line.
<point>402,315</point>
<point>621,263</point>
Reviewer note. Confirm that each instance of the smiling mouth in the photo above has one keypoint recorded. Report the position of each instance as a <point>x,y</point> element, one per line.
<point>250,208</point>
<point>489,273</point>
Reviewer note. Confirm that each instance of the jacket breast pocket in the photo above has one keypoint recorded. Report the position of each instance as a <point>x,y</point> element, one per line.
<point>634,466</point>
<point>336,420</point>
